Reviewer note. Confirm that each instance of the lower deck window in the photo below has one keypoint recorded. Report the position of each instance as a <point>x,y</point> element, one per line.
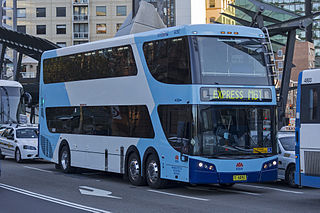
<point>123,121</point>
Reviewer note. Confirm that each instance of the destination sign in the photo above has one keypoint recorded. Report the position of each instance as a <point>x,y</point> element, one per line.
<point>236,94</point>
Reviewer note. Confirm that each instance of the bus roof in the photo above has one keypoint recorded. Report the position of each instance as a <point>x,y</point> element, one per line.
<point>8,83</point>
<point>310,76</point>
<point>178,31</point>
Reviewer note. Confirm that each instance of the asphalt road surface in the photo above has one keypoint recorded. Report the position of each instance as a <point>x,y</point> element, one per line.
<point>36,186</point>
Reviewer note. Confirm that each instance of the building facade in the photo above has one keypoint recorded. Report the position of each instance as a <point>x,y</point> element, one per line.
<point>298,6</point>
<point>70,22</point>
<point>215,7</point>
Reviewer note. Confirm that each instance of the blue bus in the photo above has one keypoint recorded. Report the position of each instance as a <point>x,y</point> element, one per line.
<point>307,129</point>
<point>191,103</point>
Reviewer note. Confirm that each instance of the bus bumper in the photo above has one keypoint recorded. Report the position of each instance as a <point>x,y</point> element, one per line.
<point>202,177</point>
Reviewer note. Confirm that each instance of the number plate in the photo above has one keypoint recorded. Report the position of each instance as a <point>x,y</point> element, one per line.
<point>239,177</point>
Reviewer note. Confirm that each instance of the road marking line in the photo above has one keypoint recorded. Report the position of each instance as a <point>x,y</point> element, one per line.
<point>34,168</point>
<point>240,192</point>
<point>177,195</point>
<point>221,189</point>
<point>52,199</point>
<point>276,189</point>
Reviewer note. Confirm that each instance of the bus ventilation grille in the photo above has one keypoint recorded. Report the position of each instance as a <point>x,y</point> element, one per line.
<point>312,165</point>
<point>46,147</point>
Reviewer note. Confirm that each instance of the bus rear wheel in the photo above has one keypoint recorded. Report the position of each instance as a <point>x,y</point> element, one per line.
<point>153,173</point>
<point>65,160</point>
<point>134,170</point>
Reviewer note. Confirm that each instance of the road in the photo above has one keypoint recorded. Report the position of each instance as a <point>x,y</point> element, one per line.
<point>36,186</point>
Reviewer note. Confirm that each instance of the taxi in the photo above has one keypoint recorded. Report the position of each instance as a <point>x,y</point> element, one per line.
<point>19,142</point>
<point>286,155</point>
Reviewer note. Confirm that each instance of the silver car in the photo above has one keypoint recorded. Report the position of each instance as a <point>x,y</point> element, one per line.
<point>286,157</point>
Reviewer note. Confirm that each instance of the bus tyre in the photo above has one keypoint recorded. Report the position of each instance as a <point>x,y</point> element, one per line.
<point>1,155</point>
<point>17,156</point>
<point>134,170</point>
<point>153,173</point>
<point>290,176</point>
<point>65,160</point>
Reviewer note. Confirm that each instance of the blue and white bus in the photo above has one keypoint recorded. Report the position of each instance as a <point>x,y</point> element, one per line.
<point>190,103</point>
<point>308,129</point>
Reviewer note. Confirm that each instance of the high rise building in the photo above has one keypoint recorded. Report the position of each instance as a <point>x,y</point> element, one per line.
<point>215,7</point>
<point>70,22</point>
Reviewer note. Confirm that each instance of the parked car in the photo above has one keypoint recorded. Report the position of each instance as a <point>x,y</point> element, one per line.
<point>20,142</point>
<point>286,157</point>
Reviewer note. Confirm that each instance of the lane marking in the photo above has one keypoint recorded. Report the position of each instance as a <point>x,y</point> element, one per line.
<point>276,189</point>
<point>86,190</point>
<point>52,199</point>
<point>240,192</point>
<point>225,190</point>
<point>177,195</point>
<point>34,168</point>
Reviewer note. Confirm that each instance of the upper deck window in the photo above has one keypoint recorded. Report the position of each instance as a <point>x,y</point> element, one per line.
<point>103,63</point>
<point>168,60</point>
<point>231,60</point>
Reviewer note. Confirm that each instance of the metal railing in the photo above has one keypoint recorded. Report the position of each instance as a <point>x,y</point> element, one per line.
<point>80,17</point>
<point>80,1</point>
<point>81,35</point>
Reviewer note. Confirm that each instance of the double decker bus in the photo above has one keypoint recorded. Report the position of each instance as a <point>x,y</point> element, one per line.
<point>191,103</point>
<point>307,129</point>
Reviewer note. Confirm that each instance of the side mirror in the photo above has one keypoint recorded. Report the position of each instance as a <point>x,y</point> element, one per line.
<point>10,137</point>
<point>27,98</point>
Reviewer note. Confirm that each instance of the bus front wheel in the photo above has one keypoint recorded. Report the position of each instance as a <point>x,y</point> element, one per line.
<point>153,173</point>
<point>134,170</point>
<point>65,160</point>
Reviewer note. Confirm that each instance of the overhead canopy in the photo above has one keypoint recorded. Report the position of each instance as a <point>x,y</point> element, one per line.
<point>26,44</point>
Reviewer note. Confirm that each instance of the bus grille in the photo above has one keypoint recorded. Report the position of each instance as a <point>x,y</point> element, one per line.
<point>46,147</point>
<point>312,165</point>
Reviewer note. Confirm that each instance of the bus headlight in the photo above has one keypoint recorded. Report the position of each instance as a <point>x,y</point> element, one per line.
<point>270,165</point>
<point>200,165</point>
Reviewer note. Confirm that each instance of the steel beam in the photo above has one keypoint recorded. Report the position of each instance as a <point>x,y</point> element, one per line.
<point>308,9</point>
<point>284,89</point>
<point>3,52</point>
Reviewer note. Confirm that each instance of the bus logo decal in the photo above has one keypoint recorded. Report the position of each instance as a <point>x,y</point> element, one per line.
<point>239,166</point>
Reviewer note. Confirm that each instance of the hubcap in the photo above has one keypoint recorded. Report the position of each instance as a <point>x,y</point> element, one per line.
<point>153,171</point>
<point>134,169</point>
<point>64,160</point>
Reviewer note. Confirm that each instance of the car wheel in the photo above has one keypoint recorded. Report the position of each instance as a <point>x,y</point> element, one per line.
<point>1,155</point>
<point>290,176</point>
<point>65,160</point>
<point>226,185</point>
<point>153,173</point>
<point>134,170</point>
<point>17,156</point>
